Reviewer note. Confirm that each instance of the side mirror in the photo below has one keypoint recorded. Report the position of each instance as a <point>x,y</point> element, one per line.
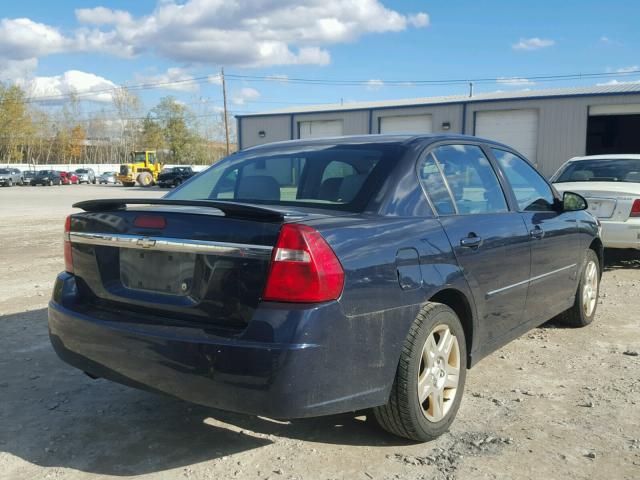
<point>572,202</point>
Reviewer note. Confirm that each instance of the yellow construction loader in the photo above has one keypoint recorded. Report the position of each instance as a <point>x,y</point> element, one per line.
<point>143,169</point>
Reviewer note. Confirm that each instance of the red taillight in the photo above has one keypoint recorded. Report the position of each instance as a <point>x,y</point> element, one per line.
<point>303,268</point>
<point>68,258</point>
<point>635,208</point>
<point>150,221</point>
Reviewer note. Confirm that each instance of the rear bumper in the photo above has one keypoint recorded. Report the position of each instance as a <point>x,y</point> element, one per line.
<point>621,234</point>
<point>290,362</point>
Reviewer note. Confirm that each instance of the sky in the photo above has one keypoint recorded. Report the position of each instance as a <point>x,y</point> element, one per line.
<point>52,48</point>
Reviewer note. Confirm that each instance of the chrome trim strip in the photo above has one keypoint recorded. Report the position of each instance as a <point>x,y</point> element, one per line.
<point>532,279</point>
<point>172,244</point>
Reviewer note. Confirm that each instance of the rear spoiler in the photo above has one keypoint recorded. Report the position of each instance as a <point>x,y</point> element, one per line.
<point>230,209</point>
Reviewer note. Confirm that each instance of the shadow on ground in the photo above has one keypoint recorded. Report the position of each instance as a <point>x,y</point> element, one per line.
<point>53,415</point>
<point>618,259</point>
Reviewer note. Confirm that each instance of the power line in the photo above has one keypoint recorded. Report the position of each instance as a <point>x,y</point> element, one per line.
<point>337,82</point>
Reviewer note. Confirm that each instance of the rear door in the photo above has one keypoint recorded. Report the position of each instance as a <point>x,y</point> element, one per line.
<point>555,242</point>
<point>490,242</point>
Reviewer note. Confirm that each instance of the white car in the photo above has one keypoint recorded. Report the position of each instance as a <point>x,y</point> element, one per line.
<point>611,185</point>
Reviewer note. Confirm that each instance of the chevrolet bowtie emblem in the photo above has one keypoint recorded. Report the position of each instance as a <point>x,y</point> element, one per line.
<point>146,242</point>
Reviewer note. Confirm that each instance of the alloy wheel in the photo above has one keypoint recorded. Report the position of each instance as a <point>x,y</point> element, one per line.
<point>439,373</point>
<point>590,288</point>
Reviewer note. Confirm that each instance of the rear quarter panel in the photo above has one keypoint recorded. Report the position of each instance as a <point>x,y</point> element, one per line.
<point>377,310</point>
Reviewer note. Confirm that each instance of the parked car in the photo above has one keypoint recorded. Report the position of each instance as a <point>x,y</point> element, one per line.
<point>27,176</point>
<point>47,178</point>
<point>108,177</point>
<point>86,175</point>
<point>10,177</point>
<point>611,185</point>
<point>68,178</point>
<point>174,176</point>
<point>315,277</point>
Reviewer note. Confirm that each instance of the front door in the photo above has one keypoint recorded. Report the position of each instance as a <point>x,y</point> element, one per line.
<point>490,242</point>
<point>555,242</point>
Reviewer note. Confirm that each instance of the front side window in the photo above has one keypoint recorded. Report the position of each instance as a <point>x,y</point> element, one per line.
<point>342,177</point>
<point>470,179</point>
<point>532,192</point>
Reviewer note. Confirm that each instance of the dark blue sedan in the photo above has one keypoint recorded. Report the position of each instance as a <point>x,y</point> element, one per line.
<point>314,277</point>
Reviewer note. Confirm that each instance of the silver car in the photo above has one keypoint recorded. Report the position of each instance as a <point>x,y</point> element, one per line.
<point>107,177</point>
<point>10,177</point>
<point>611,185</point>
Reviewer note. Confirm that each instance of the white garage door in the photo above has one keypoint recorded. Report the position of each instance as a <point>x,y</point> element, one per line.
<point>320,128</point>
<point>406,124</point>
<point>516,128</point>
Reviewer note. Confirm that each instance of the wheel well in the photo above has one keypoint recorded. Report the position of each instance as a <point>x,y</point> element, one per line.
<point>596,246</point>
<point>457,301</point>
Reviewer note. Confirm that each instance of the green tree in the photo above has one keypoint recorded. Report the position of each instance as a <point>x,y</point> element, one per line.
<point>175,121</point>
<point>152,136</point>
<point>15,123</point>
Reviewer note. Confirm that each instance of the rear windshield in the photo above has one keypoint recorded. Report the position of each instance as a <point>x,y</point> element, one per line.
<point>602,170</point>
<point>340,177</point>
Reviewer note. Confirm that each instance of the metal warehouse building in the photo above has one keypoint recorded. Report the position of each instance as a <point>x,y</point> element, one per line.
<point>547,126</point>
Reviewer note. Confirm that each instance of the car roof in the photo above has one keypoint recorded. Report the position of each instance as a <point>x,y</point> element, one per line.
<point>399,139</point>
<point>617,156</point>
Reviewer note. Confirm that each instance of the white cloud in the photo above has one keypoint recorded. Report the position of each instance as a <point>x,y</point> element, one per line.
<point>374,84</point>
<point>102,16</point>
<point>215,79</point>
<point>283,79</point>
<point>244,95</point>
<point>618,82</point>
<point>629,69</point>
<point>419,20</point>
<point>173,79</point>
<point>248,33</point>
<point>515,81</point>
<point>534,43</point>
<point>71,82</point>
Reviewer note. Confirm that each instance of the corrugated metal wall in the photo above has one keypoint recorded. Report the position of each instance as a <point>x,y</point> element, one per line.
<point>562,128</point>
<point>354,123</point>
<point>440,114</point>
<point>275,127</point>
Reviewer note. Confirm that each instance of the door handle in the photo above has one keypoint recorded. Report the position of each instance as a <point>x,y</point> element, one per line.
<point>536,232</point>
<point>472,241</point>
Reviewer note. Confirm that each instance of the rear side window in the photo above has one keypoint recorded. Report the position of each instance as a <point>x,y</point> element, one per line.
<point>469,179</point>
<point>433,183</point>
<point>601,170</point>
<point>342,177</point>
<point>532,192</point>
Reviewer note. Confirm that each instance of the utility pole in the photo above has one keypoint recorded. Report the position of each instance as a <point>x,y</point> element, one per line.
<point>470,89</point>
<point>224,100</point>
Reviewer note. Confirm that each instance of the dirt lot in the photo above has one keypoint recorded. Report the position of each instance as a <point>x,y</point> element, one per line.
<point>556,403</point>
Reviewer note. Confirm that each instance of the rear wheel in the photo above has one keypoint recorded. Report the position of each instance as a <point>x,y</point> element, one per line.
<point>429,381</point>
<point>583,310</point>
<point>145,179</point>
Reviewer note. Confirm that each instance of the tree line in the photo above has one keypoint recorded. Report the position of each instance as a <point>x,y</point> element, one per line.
<point>64,133</point>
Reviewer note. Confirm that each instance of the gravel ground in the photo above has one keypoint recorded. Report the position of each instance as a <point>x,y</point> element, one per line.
<point>556,403</point>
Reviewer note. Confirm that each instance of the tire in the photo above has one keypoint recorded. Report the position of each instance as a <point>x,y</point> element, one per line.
<point>404,415</point>
<point>50,183</point>
<point>177,183</point>
<point>10,183</point>
<point>145,179</point>
<point>585,305</point>
<point>128,184</point>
